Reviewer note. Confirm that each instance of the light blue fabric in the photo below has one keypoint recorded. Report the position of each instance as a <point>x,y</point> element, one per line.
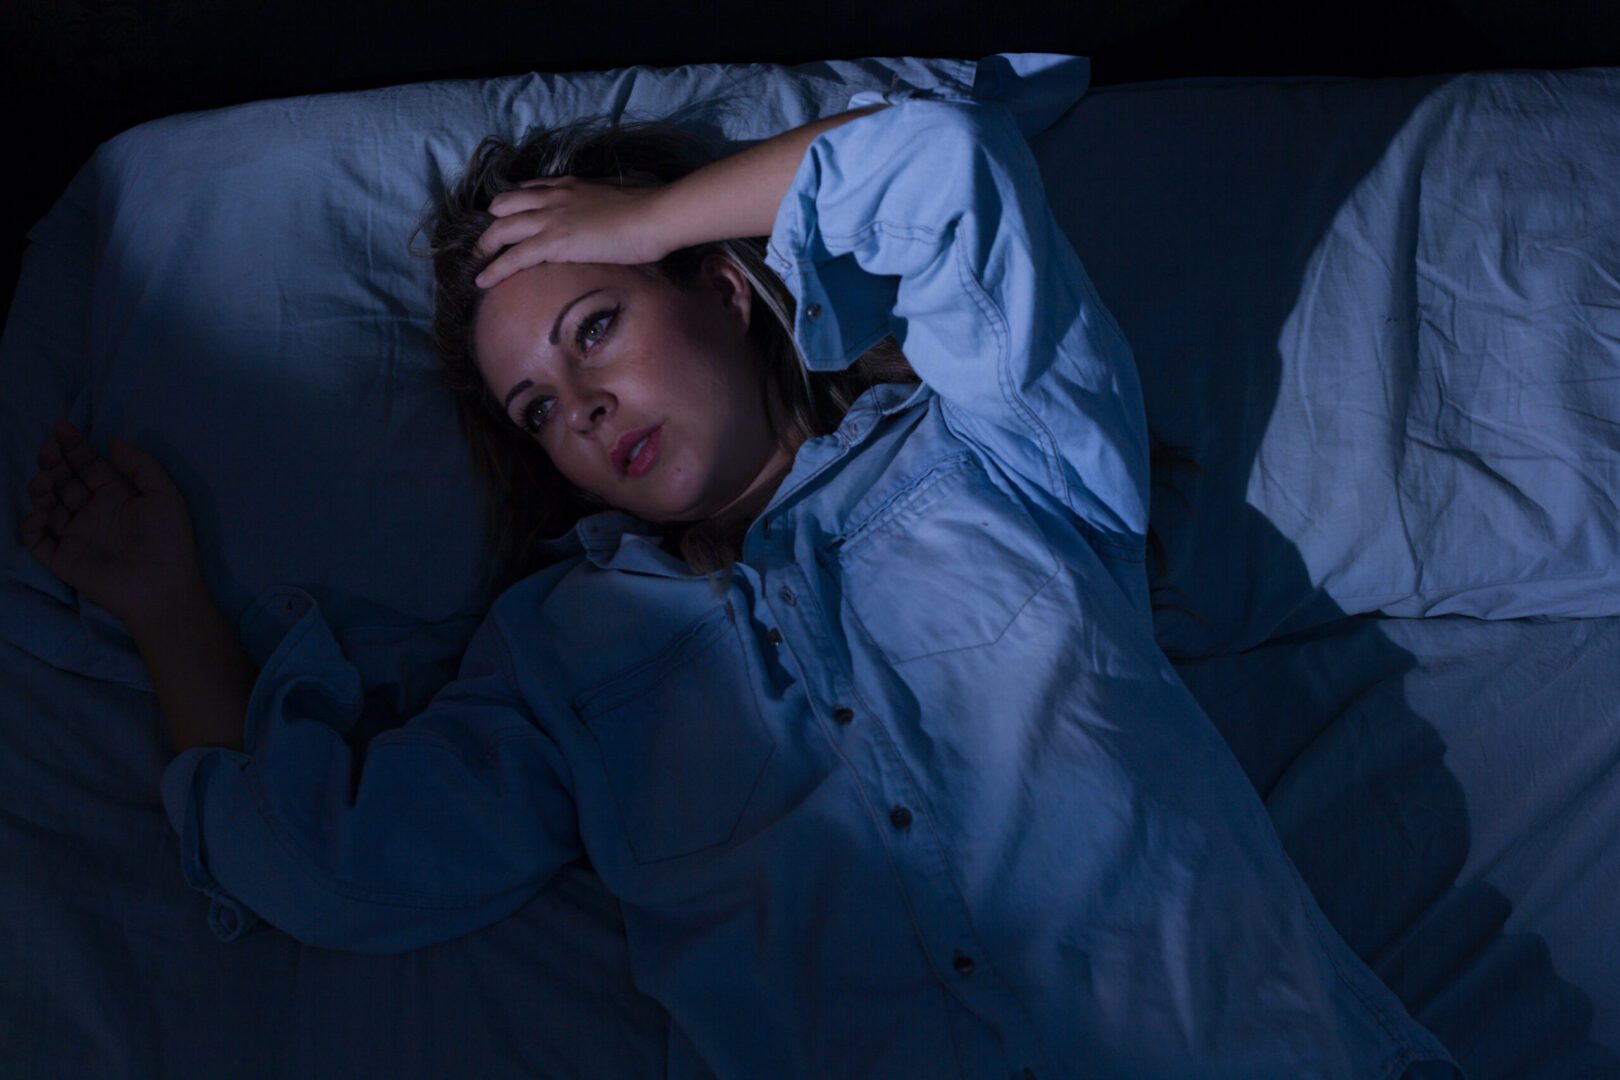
<point>1394,371</point>
<point>235,292</point>
<point>1447,786</point>
<point>916,792</point>
<point>232,290</point>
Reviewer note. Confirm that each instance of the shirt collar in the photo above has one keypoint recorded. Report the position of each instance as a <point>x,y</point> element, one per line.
<point>878,401</point>
<point>616,539</point>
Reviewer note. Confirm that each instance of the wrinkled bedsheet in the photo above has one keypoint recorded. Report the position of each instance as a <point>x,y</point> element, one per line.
<point>1381,317</point>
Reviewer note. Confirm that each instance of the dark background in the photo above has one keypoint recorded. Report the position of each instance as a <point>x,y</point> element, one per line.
<point>77,72</point>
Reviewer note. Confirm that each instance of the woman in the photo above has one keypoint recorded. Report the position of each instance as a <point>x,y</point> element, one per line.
<point>848,692</point>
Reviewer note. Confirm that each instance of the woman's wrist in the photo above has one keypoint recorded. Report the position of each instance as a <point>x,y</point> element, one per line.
<point>202,675</point>
<point>171,605</point>
<point>739,195</point>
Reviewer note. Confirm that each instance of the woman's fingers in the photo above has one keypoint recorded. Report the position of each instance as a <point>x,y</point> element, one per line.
<point>88,466</point>
<point>60,486</point>
<point>70,473</point>
<point>146,474</point>
<point>560,219</point>
<point>529,195</point>
<point>49,457</point>
<point>41,492</point>
<point>40,542</point>
<point>508,203</point>
<point>518,257</point>
<point>59,519</point>
<point>509,230</point>
<point>71,469</point>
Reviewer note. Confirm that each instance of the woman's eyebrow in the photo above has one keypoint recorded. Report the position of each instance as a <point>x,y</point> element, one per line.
<point>556,327</point>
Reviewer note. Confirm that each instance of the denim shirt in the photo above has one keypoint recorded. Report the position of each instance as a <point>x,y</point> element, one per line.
<point>916,794</point>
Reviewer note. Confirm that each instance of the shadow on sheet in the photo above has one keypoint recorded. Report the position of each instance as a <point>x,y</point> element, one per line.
<point>1412,766</point>
<point>115,975</point>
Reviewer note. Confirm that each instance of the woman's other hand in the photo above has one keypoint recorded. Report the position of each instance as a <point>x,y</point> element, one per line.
<point>569,219</point>
<point>120,536</point>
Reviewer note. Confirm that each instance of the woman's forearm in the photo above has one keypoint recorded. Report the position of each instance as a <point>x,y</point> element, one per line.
<point>738,196</point>
<point>202,675</point>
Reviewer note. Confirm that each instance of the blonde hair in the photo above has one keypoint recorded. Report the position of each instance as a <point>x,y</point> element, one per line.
<point>526,498</point>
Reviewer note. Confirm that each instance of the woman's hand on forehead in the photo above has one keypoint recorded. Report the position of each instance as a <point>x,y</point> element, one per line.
<point>576,220</point>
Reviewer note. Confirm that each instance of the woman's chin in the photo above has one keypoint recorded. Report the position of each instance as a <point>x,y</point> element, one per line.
<point>681,506</point>
<point>662,514</point>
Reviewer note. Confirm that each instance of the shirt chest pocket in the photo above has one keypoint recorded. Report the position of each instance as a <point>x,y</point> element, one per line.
<point>946,564</point>
<point>682,741</point>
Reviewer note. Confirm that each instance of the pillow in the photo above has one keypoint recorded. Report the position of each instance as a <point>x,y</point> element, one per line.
<point>231,291</point>
<point>1380,316</point>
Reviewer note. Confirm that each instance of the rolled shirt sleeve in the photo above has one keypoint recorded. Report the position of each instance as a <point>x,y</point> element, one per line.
<point>929,220</point>
<point>448,823</point>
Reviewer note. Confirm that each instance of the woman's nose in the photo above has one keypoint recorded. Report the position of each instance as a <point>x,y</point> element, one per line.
<point>589,409</point>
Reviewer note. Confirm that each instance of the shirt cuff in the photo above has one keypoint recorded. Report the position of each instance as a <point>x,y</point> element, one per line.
<point>841,309</point>
<point>267,633</point>
<point>227,918</point>
<point>268,620</point>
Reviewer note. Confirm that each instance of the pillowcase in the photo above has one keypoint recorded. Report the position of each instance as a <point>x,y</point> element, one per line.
<point>232,292</point>
<point>1379,315</point>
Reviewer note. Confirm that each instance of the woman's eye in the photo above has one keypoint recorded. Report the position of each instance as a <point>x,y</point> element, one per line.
<point>590,322</point>
<point>533,417</point>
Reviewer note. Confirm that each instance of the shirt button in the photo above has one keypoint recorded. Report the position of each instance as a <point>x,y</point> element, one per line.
<point>901,817</point>
<point>774,636</point>
<point>963,964</point>
<point>787,596</point>
<point>814,311</point>
<point>843,715</point>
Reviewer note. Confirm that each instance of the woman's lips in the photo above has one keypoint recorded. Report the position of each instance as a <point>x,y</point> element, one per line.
<point>649,453</point>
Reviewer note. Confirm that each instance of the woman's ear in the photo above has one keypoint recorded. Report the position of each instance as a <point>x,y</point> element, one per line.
<point>730,285</point>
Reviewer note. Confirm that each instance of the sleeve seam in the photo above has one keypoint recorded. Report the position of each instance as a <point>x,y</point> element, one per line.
<point>997,321</point>
<point>902,230</point>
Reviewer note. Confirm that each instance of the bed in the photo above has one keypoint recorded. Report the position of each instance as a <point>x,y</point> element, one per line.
<point>1382,317</point>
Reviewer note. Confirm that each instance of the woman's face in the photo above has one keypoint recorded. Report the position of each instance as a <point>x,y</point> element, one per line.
<point>630,354</point>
